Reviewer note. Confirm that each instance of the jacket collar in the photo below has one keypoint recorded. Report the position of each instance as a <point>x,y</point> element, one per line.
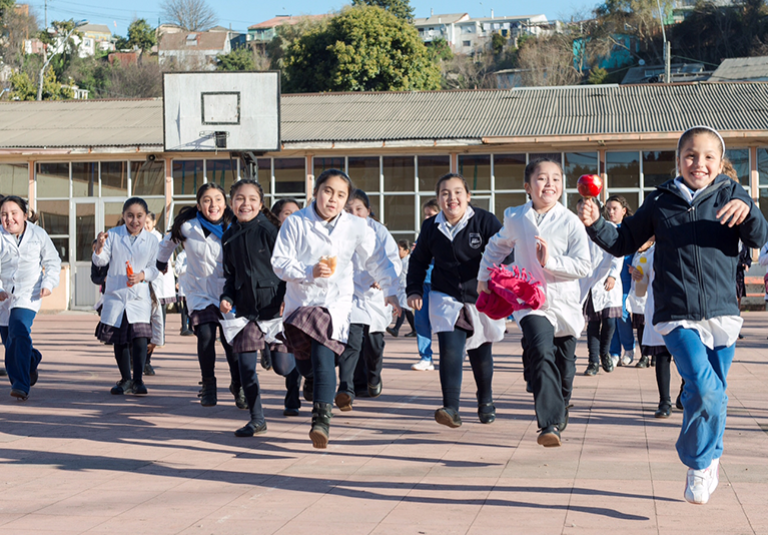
<point>670,186</point>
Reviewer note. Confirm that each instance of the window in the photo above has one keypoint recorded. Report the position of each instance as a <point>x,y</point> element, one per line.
<point>658,167</point>
<point>85,179</point>
<point>762,165</point>
<point>321,164</point>
<point>54,218</point>
<point>467,43</point>
<point>221,172</point>
<point>399,173</point>
<point>262,172</point>
<point>290,175</point>
<point>148,178</point>
<point>187,176</point>
<point>364,172</point>
<point>15,179</point>
<point>740,160</point>
<point>623,169</point>
<point>577,164</point>
<point>399,212</point>
<point>505,200</point>
<point>52,180</point>
<point>509,171</point>
<point>114,179</point>
<point>476,170</point>
<point>430,169</point>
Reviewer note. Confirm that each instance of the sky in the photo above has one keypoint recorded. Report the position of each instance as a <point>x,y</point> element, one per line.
<point>239,14</point>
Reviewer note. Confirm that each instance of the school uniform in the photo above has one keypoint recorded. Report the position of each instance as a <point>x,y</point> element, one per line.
<point>457,251</point>
<point>550,332</point>
<point>164,285</point>
<point>28,264</point>
<point>180,270</point>
<point>638,291</point>
<point>316,316</point>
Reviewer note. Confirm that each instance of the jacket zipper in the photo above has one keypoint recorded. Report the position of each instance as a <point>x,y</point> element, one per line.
<point>697,257</point>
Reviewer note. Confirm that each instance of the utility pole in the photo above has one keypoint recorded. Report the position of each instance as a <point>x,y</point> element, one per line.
<point>667,48</point>
<point>46,14</point>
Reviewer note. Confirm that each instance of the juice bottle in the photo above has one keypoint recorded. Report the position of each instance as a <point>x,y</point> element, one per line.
<point>128,270</point>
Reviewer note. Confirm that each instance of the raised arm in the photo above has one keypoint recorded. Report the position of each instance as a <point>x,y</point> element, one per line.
<point>165,251</point>
<point>285,260</point>
<point>501,244</point>
<point>629,237</point>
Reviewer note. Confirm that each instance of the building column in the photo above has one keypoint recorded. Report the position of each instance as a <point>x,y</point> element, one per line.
<point>454,162</point>
<point>603,175</point>
<point>310,177</point>
<point>754,176</point>
<point>31,187</point>
<point>168,191</point>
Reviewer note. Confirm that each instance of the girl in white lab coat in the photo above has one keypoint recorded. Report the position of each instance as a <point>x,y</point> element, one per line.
<point>313,254</point>
<point>29,271</point>
<point>200,228</point>
<point>130,252</point>
<point>551,244</point>
<point>404,250</point>
<point>370,316</point>
<point>637,294</point>
<point>179,270</point>
<point>163,293</point>
<point>601,294</point>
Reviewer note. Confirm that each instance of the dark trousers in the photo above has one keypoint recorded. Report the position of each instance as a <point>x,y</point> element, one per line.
<point>452,363</point>
<point>356,373</point>
<point>285,364</point>
<point>323,370</point>
<point>185,322</point>
<point>407,314</point>
<point>599,335</point>
<point>21,358</point>
<point>663,378</point>
<point>206,352</point>
<point>137,349</point>
<point>551,366</point>
<point>247,363</point>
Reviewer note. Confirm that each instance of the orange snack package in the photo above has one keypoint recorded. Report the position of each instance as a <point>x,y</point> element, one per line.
<point>128,270</point>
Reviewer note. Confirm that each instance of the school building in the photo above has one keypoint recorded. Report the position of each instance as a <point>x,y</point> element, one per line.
<point>77,161</point>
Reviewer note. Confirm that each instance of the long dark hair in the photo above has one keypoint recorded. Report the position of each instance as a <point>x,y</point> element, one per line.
<point>278,206</point>
<point>622,201</point>
<point>360,195</point>
<point>264,210</point>
<point>190,212</point>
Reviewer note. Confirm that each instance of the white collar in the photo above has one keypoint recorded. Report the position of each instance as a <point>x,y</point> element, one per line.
<point>687,192</point>
<point>450,231</point>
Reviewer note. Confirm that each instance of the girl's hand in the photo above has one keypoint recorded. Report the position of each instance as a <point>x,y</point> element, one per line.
<point>610,282</point>
<point>588,212</point>
<point>45,292</point>
<point>225,306</point>
<point>321,271</point>
<point>3,296</point>
<point>736,211</point>
<point>376,286</point>
<point>636,275</point>
<point>482,286</point>
<point>101,239</point>
<point>136,278</point>
<point>542,251</point>
<point>414,301</point>
<point>395,304</point>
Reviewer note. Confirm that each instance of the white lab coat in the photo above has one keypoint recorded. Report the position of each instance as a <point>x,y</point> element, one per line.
<point>569,260</point>
<point>635,304</point>
<point>204,279</point>
<point>26,269</point>
<point>180,270</point>
<point>302,240</point>
<point>165,284</point>
<point>401,297</point>
<point>368,306</point>
<point>650,336</point>
<point>120,298</point>
<point>604,265</point>
<point>763,260</point>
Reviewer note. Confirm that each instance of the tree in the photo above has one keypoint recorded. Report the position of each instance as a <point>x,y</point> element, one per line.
<point>638,18</point>
<point>6,5</point>
<point>362,49</point>
<point>548,61</point>
<point>439,50</point>
<point>141,35</point>
<point>242,59</point>
<point>192,15</point>
<point>23,88</point>
<point>399,8</point>
<point>597,76</point>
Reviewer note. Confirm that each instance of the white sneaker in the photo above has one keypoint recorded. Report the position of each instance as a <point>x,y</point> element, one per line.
<point>702,483</point>
<point>615,359</point>
<point>424,365</point>
<point>628,357</point>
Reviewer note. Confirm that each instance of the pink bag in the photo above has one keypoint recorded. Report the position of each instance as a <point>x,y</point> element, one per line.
<point>511,290</point>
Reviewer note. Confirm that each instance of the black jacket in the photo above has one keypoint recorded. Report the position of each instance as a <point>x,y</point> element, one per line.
<point>696,257</point>
<point>250,284</point>
<point>456,262</point>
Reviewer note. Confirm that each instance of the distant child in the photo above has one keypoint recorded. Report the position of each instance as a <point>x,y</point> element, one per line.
<point>131,252</point>
<point>421,323</point>
<point>698,219</point>
<point>404,250</point>
<point>551,245</point>
<point>639,290</point>
<point>163,293</point>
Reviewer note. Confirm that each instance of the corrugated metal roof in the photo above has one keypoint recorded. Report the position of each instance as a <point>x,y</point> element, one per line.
<point>435,115</point>
<point>733,69</point>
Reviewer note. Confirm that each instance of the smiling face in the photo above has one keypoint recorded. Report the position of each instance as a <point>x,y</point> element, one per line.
<point>545,186</point>
<point>357,207</point>
<point>700,160</point>
<point>212,205</point>
<point>615,211</point>
<point>13,218</point>
<point>246,203</point>
<point>288,209</point>
<point>135,217</point>
<point>149,224</point>
<point>331,197</point>
<point>454,199</point>
<point>429,211</point>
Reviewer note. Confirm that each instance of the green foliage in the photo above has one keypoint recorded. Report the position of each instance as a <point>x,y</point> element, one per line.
<point>361,49</point>
<point>439,50</point>
<point>399,8</point>
<point>4,5</point>
<point>240,59</point>
<point>22,87</point>
<point>141,35</point>
<point>498,42</point>
<point>597,76</point>
<point>122,43</point>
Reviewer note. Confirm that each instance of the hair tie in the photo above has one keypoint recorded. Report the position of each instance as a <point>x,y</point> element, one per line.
<point>702,127</point>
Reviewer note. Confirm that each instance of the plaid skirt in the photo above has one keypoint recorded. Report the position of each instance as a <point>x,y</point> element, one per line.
<point>209,314</point>
<point>124,334</point>
<point>167,300</point>
<point>654,351</point>
<point>606,313</point>
<point>638,320</point>
<point>248,340</point>
<point>306,324</point>
<point>464,322</point>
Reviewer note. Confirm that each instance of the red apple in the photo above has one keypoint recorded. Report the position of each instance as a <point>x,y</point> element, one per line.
<point>590,185</point>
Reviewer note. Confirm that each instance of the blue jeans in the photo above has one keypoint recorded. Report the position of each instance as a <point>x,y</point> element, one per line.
<point>704,400</point>
<point>20,357</point>
<point>624,335</point>
<point>423,326</point>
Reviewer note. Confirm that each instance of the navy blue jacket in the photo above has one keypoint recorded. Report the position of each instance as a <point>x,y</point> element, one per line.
<point>696,256</point>
<point>457,262</point>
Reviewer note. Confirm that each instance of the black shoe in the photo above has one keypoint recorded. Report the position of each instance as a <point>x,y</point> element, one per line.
<point>448,417</point>
<point>741,336</point>
<point>663,412</point>
<point>309,388</point>
<point>563,425</point>
<point>33,377</point>
<point>393,332</point>
<point>121,387</point>
<point>137,389</point>
<point>266,360</point>
<point>550,436</point>
<point>343,401</point>
<point>321,425</point>
<point>486,412</point>
<point>375,390</point>
<point>19,394</point>
<point>653,361</point>
<point>3,372</point>
<point>679,400</point>
<point>528,387</point>
<point>644,362</point>
<point>252,428</point>
<point>291,412</point>
<point>239,393</point>
<point>607,362</point>
<point>207,393</point>
<point>187,332</point>
<point>411,334</point>
<point>148,369</point>
<point>592,369</point>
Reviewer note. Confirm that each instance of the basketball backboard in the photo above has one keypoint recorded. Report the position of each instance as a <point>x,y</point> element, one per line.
<point>221,111</point>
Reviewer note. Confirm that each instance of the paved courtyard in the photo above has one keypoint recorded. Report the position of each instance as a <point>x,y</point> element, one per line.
<point>74,459</point>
